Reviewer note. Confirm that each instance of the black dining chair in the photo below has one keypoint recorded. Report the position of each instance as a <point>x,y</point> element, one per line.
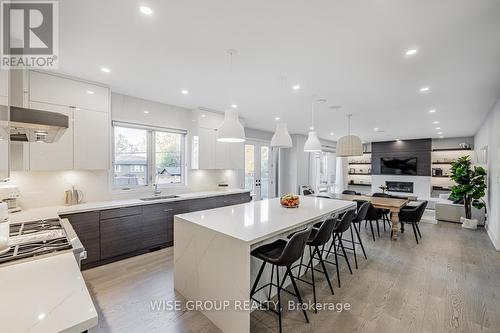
<point>413,215</point>
<point>350,192</point>
<point>281,253</point>
<point>342,226</point>
<point>373,215</point>
<point>318,238</point>
<point>385,212</point>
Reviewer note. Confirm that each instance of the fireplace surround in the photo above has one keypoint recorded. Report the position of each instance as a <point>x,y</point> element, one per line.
<point>396,186</point>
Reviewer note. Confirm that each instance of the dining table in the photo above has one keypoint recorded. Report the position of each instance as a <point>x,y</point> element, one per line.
<point>394,205</point>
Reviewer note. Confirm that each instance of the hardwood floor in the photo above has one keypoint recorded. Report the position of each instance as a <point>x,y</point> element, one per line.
<point>450,282</point>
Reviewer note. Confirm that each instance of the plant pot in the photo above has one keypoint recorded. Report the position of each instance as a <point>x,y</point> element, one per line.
<point>469,223</point>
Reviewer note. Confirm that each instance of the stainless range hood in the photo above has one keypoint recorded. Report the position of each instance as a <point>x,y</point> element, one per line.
<point>30,125</point>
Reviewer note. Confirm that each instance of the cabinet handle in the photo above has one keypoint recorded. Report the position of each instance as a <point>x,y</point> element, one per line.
<point>168,210</point>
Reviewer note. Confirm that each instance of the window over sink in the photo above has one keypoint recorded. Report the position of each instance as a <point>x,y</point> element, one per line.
<point>144,155</point>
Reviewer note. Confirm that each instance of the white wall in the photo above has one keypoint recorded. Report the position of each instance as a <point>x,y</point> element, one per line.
<point>489,136</point>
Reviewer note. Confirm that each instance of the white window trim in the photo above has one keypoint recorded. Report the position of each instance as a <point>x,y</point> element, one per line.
<point>151,158</point>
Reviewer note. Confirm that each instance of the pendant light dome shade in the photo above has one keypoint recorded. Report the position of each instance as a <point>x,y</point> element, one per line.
<point>312,144</point>
<point>231,129</point>
<point>349,145</point>
<point>281,138</point>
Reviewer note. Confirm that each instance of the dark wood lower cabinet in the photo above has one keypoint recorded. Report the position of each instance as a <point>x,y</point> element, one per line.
<point>86,226</point>
<point>114,234</point>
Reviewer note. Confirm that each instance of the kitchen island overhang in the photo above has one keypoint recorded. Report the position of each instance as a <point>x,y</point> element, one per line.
<point>212,261</point>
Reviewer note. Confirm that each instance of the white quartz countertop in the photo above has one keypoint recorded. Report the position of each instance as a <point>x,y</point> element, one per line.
<point>45,295</point>
<point>55,211</point>
<point>258,220</point>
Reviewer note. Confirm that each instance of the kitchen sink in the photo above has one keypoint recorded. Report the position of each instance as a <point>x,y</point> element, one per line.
<point>160,197</point>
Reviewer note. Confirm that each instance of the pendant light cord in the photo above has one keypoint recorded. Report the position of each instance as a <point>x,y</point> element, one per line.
<point>312,114</point>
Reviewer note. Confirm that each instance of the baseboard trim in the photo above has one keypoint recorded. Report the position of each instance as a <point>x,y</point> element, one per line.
<point>493,239</point>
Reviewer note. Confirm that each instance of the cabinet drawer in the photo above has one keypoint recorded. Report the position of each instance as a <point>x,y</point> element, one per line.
<point>86,226</point>
<point>120,212</point>
<point>120,236</point>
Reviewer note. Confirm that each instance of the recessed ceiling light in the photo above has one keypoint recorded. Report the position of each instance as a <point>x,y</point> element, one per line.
<point>438,128</point>
<point>90,92</point>
<point>411,52</point>
<point>296,87</point>
<point>203,115</point>
<point>440,133</point>
<point>234,106</point>
<point>331,133</point>
<point>425,89</point>
<point>105,70</point>
<point>277,118</point>
<point>146,10</point>
<point>311,128</point>
<point>146,111</point>
<point>432,111</point>
<point>441,137</point>
<point>435,122</point>
<point>184,92</point>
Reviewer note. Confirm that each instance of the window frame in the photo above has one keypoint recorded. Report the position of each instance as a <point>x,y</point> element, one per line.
<point>150,156</point>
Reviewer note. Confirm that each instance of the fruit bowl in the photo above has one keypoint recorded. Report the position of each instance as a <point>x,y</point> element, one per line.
<point>290,201</point>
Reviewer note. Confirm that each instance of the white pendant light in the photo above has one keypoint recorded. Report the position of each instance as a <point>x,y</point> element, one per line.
<point>349,145</point>
<point>281,138</point>
<point>312,144</point>
<point>231,129</point>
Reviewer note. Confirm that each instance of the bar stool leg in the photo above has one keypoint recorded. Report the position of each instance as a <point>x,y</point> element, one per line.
<point>353,246</point>
<point>324,269</point>
<point>378,229</point>
<point>312,276</point>
<point>279,296</point>
<point>258,278</point>
<point>296,291</point>
<point>270,285</point>
<point>371,227</point>
<point>360,241</point>
<point>336,260</point>
<point>345,255</point>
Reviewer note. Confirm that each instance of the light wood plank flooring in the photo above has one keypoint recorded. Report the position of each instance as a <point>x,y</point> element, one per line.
<point>450,282</point>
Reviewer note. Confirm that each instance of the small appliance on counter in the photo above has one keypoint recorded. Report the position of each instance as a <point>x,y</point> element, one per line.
<point>73,197</point>
<point>9,195</point>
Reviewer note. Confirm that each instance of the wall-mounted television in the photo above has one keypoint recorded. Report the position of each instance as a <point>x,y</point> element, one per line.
<point>398,166</point>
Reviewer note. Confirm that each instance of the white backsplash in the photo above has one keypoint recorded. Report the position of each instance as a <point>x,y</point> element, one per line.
<point>40,189</point>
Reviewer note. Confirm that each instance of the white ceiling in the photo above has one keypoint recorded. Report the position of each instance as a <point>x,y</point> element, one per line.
<point>350,52</point>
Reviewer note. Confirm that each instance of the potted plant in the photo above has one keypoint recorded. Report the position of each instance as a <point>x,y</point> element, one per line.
<point>470,187</point>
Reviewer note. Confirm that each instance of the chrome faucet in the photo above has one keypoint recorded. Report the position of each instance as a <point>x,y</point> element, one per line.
<point>155,185</point>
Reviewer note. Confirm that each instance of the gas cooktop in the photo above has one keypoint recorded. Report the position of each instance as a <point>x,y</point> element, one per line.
<point>34,238</point>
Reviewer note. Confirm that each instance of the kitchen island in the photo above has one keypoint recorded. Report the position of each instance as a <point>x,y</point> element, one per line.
<point>212,259</point>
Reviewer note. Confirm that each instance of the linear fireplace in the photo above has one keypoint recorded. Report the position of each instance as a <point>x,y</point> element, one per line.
<point>405,187</point>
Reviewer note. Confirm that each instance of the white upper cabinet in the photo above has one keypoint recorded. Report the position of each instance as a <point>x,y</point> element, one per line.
<point>53,89</point>
<point>57,155</point>
<point>91,139</point>
<point>4,87</point>
<point>206,149</point>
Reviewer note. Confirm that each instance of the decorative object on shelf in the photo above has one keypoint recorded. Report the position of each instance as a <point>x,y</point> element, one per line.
<point>369,170</point>
<point>312,144</point>
<point>281,138</point>
<point>471,187</point>
<point>464,145</point>
<point>383,188</point>
<point>290,201</point>
<point>231,129</point>
<point>349,145</point>
<point>352,170</point>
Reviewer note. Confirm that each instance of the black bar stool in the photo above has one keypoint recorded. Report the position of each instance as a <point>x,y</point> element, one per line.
<point>281,253</point>
<point>319,237</point>
<point>363,207</point>
<point>339,229</point>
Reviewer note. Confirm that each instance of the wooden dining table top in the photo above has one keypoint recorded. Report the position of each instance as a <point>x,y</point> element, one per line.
<point>378,202</point>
